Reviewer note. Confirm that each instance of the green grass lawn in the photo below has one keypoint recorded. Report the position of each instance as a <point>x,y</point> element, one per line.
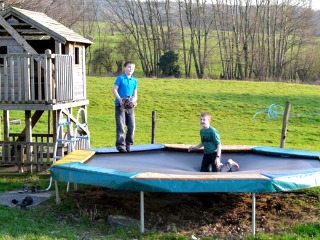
<point>233,104</point>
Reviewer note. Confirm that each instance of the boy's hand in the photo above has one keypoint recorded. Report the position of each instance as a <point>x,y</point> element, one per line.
<point>218,163</point>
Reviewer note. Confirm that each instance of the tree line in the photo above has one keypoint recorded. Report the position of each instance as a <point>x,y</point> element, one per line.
<point>229,39</point>
<point>234,39</point>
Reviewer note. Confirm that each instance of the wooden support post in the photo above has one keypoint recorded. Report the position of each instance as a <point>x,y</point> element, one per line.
<point>28,139</point>
<point>154,118</point>
<point>6,130</point>
<point>6,125</point>
<point>285,124</point>
<point>49,122</point>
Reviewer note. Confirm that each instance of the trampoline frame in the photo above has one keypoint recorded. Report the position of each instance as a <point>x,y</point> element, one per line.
<point>77,158</point>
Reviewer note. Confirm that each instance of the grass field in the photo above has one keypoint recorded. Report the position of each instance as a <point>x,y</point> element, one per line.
<point>233,104</point>
<point>179,102</point>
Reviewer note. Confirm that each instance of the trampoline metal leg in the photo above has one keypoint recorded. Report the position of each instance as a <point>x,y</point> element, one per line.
<point>142,212</point>
<point>253,214</point>
<point>57,192</point>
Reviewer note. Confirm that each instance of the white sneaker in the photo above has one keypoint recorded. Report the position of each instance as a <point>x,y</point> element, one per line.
<point>233,165</point>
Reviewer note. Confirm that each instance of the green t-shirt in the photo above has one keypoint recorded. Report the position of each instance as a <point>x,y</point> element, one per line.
<point>210,139</point>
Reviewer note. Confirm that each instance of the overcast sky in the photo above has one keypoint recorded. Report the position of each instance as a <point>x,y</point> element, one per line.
<point>316,4</point>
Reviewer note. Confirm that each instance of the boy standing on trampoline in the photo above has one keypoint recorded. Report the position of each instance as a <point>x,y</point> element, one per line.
<point>211,143</point>
<point>126,96</point>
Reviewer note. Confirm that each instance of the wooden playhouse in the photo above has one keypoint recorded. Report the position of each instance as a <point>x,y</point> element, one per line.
<point>43,75</point>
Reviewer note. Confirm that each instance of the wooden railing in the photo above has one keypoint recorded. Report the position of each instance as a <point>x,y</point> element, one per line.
<point>36,154</point>
<point>36,78</point>
<point>26,155</point>
<point>36,137</point>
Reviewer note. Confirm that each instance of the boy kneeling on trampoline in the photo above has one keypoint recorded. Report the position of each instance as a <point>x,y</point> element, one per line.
<point>210,141</point>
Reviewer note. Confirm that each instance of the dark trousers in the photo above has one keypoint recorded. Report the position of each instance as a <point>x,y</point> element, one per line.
<point>207,160</point>
<point>125,126</point>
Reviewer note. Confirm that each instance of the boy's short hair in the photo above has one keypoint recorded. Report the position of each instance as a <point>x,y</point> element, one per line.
<point>206,114</point>
<point>128,62</point>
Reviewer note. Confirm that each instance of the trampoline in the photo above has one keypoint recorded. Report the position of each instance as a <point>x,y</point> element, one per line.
<point>170,168</point>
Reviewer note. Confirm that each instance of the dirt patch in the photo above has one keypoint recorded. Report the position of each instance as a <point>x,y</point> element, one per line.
<point>209,214</point>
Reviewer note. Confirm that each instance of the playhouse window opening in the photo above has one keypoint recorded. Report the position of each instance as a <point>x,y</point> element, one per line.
<point>3,50</point>
<point>76,55</point>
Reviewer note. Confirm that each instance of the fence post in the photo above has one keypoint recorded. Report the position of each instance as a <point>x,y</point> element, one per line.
<point>285,124</point>
<point>154,116</point>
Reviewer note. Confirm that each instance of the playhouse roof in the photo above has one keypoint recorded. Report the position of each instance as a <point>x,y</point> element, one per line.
<point>38,25</point>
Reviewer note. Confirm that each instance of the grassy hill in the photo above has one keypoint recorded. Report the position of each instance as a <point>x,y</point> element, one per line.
<point>233,104</point>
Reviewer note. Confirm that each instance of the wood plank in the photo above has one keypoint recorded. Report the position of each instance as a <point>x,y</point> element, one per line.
<point>49,68</point>
<point>26,74</point>
<point>5,79</point>
<point>46,81</point>
<point>29,55</point>
<point>58,77</point>
<point>32,92</point>
<point>83,50</point>
<point>11,85</point>
<point>39,79</point>
<point>42,106</point>
<point>19,78</point>
<point>6,125</point>
<point>76,156</point>
<point>57,47</point>
<point>28,134</point>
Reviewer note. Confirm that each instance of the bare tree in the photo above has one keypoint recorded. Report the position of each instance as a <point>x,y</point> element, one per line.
<point>200,21</point>
<point>187,54</point>
<point>91,26</point>
<point>145,27</point>
<point>68,12</point>
<point>224,36</point>
<point>261,39</point>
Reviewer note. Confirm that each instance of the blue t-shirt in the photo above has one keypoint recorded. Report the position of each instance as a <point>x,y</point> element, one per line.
<point>126,86</point>
<point>210,139</point>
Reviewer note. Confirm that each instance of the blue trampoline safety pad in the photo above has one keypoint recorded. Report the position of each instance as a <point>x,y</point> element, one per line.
<point>134,148</point>
<point>154,168</point>
<point>287,152</point>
